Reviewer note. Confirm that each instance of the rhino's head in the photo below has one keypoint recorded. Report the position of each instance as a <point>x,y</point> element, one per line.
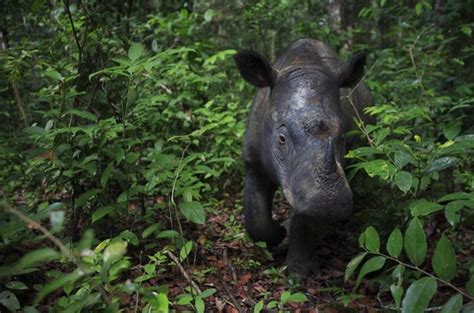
<point>304,131</point>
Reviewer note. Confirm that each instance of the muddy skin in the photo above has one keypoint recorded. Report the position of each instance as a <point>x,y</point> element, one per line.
<point>295,139</point>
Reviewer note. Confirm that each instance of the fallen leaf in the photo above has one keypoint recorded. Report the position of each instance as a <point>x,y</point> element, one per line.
<point>244,279</point>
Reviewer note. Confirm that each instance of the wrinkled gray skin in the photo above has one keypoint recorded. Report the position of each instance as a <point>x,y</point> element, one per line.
<point>295,139</point>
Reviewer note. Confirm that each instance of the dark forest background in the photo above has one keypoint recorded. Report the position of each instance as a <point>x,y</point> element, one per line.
<point>121,126</point>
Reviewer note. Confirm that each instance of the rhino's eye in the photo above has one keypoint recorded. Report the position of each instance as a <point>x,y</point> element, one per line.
<point>281,139</point>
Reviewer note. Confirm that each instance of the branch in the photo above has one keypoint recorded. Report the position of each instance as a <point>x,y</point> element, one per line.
<point>356,112</point>
<point>76,37</point>
<point>183,271</point>
<point>427,274</point>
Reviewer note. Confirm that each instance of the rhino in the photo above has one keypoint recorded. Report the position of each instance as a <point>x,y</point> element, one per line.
<point>295,139</point>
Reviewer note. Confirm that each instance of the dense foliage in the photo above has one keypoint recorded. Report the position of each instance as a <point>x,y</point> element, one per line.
<point>120,137</point>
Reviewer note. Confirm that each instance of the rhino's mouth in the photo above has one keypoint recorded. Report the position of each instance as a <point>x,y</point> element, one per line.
<point>330,202</point>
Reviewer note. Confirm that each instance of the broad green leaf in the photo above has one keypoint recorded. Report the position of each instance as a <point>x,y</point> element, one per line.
<point>470,285</point>
<point>398,272</point>
<point>30,259</point>
<point>18,285</point>
<point>200,306</point>
<point>353,264</point>
<point>55,75</point>
<point>129,236</point>
<point>104,179</point>
<point>185,300</point>
<point>101,212</point>
<point>168,234</point>
<point>451,212</point>
<point>56,283</point>
<point>114,251</point>
<point>117,268</point>
<point>207,293</point>
<point>150,230</point>
<point>193,211</point>
<point>30,309</point>
<point>185,250</point>
<point>83,114</point>
<point>395,243</point>
<point>379,167</point>
<point>258,307</point>
<point>444,259</point>
<point>297,297</point>
<point>284,296</point>
<point>372,239</point>
<point>9,300</point>
<point>372,265</point>
<point>467,30</point>
<point>86,196</point>
<point>441,164</point>
<point>209,14</point>
<point>419,295</point>
<point>451,130</point>
<point>404,181</point>
<point>101,245</point>
<point>397,293</point>
<point>456,196</point>
<point>423,207</point>
<point>135,51</point>
<point>453,305</point>
<point>160,303</point>
<point>415,242</point>
<point>419,8</point>
<point>402,158</point>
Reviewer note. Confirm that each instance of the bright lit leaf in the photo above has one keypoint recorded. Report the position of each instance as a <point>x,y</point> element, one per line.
<point>297,297</point>
<point>114,251</point>
<point>185,250</point>
<point>135,51</point>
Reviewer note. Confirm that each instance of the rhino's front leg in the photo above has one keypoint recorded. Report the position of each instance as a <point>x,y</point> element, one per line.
<point>258,197</point>
<point>302,260</point>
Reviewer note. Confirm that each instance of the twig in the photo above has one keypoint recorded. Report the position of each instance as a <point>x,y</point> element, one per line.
<point>74,32</point>
<point>428,274</point>
<point>229,293</point>
<point>35,225</point>
<point>356,112</point>
<point>183,271</point>
<point>19,103</point>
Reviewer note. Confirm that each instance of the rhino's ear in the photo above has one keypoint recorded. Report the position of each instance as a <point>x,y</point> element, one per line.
<point>255,69</point>
<point>351,72</point>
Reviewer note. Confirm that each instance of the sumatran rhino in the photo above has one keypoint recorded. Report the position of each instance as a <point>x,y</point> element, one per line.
<point>295,139</point>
